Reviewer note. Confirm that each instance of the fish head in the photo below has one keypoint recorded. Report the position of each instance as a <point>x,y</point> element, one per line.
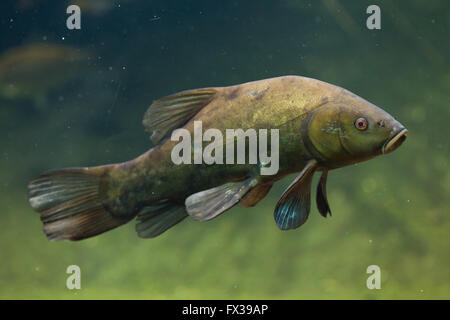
<point>348,129</point>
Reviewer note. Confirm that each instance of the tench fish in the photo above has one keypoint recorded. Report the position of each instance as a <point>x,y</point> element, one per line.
<point>320,127</point>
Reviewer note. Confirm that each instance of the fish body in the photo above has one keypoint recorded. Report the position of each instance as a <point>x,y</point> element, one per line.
<point>256,105</point>
<point>320,127</point>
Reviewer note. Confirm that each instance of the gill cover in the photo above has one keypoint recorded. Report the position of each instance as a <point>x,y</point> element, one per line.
<point>322,134</point>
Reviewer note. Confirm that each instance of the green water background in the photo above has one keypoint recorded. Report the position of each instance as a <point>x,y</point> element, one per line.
<point>392,211</point>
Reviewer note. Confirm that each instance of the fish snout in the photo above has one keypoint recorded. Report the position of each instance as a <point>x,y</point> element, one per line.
<point>398,136</point>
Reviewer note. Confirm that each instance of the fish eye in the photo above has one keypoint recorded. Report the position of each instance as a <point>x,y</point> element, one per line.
<point>361,124</point>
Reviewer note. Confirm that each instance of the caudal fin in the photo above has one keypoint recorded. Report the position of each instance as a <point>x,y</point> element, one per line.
<point>69,202</point>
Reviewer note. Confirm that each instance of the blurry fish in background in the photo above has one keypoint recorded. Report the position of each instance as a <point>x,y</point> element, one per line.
<point>30,72</point>
<point>24,5</point>
<point>92,7</point>
<point>97,7</point>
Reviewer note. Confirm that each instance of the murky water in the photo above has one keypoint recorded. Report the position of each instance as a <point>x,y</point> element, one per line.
<point>77,98</point>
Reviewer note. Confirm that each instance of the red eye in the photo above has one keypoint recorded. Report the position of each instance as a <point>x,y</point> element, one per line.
<point>361,124</point>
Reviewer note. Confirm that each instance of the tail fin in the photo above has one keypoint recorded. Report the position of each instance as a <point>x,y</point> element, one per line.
<point>70,205</point>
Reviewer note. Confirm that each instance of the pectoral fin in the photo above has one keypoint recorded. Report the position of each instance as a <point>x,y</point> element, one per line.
<point>292,209</point>
<point>321,195</point>
<point>210,203</point>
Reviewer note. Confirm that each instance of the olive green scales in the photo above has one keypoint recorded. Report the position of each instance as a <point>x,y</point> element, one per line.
<point>321,127</point>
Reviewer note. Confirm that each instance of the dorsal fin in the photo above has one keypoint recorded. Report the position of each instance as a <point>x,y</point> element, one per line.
<point>174,111</point>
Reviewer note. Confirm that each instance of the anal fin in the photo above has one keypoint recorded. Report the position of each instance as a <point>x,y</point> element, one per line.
<point>152,221</point>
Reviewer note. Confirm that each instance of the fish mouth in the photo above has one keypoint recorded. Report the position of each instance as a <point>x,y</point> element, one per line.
<point>395,142</point>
